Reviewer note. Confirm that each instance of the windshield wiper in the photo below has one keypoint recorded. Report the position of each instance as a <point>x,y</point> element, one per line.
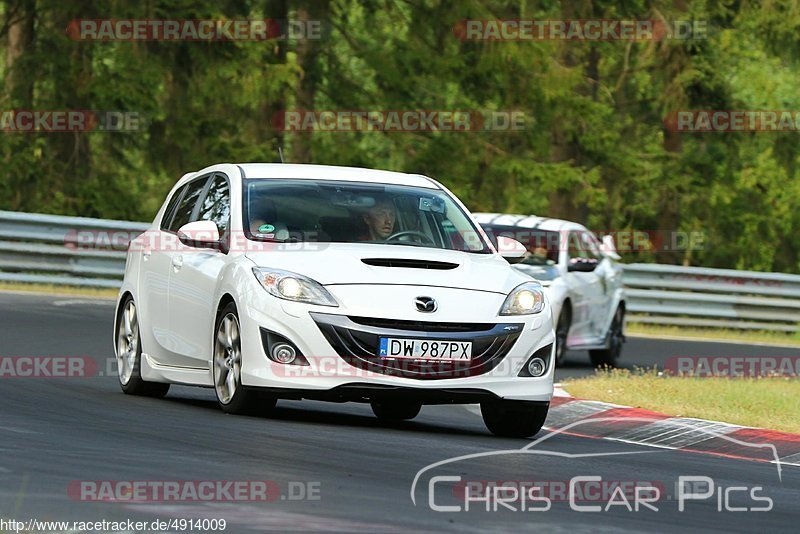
<point>276,240</point>
<point>408,243</point>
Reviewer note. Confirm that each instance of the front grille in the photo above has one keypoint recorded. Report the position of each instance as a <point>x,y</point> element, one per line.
<point>357,344</point>
<point>421,326</point>
<point>410,263</point>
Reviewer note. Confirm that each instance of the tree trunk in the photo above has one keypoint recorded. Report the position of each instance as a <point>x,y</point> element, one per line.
<point>308,52</point>
<point>266,133</point>
<point>21,37</point>
<point>19,85</point>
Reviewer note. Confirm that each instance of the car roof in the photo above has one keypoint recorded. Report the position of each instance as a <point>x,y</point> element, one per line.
<point>335,173</point>
<point>526,221</point>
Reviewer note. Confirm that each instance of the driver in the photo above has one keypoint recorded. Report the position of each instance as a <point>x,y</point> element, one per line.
<point>380,219</point>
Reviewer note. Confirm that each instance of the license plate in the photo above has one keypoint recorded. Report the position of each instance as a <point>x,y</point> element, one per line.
<point>424,349</point>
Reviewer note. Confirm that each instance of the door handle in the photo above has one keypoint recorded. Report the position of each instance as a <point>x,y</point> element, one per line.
<point>177,262</point>
<point>146,254</point>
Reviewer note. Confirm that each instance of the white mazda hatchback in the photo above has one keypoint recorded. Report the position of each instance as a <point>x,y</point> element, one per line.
<point>268,281</point>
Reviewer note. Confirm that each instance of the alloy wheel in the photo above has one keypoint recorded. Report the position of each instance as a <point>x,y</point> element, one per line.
<point>227,358</point>
<point>127,342</point>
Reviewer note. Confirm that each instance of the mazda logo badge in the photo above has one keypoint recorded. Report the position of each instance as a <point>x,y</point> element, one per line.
<point>426,304</point>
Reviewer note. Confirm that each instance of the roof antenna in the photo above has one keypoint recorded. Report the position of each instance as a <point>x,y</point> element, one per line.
<point>280,151</point>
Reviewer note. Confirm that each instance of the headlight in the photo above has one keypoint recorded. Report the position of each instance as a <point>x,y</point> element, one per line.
<point>525,299</point>
<point>292,286</point>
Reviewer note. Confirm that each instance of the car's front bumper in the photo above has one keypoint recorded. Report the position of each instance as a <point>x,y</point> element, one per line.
<point>340,370</point>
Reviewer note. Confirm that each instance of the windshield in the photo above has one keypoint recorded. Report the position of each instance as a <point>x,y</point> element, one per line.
<point>542,245</point>
<point>356,212</point>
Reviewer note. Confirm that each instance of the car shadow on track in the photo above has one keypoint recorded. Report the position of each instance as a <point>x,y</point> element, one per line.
<point>316,413</point>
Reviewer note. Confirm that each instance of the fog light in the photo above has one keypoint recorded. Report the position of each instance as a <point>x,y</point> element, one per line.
<point>283,353</point>
<point>537,367</point>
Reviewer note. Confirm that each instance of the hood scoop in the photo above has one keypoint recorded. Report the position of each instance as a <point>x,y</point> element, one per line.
<point>410,263</point>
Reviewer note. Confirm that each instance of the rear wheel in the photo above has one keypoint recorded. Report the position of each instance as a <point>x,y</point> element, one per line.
<point>396,411</point>
<point>232,397</point>
<point>608,357</point>
<point>514,419</point>
<point>129,355</point>
<point>562,330</point>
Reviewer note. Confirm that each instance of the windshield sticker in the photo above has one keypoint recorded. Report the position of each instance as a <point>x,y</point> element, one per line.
<point>266,229</point>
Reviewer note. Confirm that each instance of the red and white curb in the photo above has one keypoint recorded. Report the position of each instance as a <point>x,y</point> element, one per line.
<point>595,419</point>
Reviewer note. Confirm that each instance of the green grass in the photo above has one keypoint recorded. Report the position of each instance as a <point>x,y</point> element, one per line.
<point>772,403</point>
<point>746,336</point>
<point>59,290</point>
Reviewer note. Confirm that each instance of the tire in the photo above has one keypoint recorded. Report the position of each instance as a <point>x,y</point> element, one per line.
<point>232,396</point>
<point>395,410</point>
<point>608,357</point>
<point>129,354</point>
<point>562,330</point>
<point>514,419</point>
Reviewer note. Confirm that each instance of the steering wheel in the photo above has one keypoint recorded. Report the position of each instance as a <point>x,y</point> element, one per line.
<point>397,235</point>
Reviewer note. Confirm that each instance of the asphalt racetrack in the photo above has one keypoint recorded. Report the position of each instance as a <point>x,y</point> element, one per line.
<point>333,467</point>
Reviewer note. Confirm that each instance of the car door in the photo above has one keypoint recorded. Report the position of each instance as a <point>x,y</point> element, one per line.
<point>602,288</point>
<point>610,276</point>
<point>585,290</point>
<point>167,257</point>
<point>194,276</point>
<point>153,281</point>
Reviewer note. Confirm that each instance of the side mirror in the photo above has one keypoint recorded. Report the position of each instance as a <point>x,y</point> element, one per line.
<point>512,250</point>
<point>582,265</point>
<point>200,234</point>
<point>609,248</point>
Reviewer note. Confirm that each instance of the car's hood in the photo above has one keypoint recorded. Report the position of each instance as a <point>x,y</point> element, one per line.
<point>355,263</point>
<point>545,274</point>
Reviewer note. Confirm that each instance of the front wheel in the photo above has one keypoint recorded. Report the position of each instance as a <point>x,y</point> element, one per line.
<point>129,355</point>
<point>608,357</point>
<point>232,397</point>
<point>514,419</point>
<point>396,411</point>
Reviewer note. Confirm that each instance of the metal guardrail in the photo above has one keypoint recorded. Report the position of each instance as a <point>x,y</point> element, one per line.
<point>79,251</point>
<point>717,298</point>
<point>53,249</point>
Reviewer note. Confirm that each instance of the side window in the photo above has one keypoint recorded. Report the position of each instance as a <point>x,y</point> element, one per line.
<point>171,207</point>
<point>576,248</point>
<point>591,245</point>
<point>216,205</point>
<point>183,214</point>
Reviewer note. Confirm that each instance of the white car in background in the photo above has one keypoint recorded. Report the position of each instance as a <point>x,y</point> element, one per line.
<point>581,277</point>
<point>267,281</point>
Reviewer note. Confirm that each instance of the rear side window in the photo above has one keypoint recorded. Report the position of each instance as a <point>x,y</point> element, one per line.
<point>591,245</point>
<point>577,247</point>
<point>183,214</point>
<point>216,205</point>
